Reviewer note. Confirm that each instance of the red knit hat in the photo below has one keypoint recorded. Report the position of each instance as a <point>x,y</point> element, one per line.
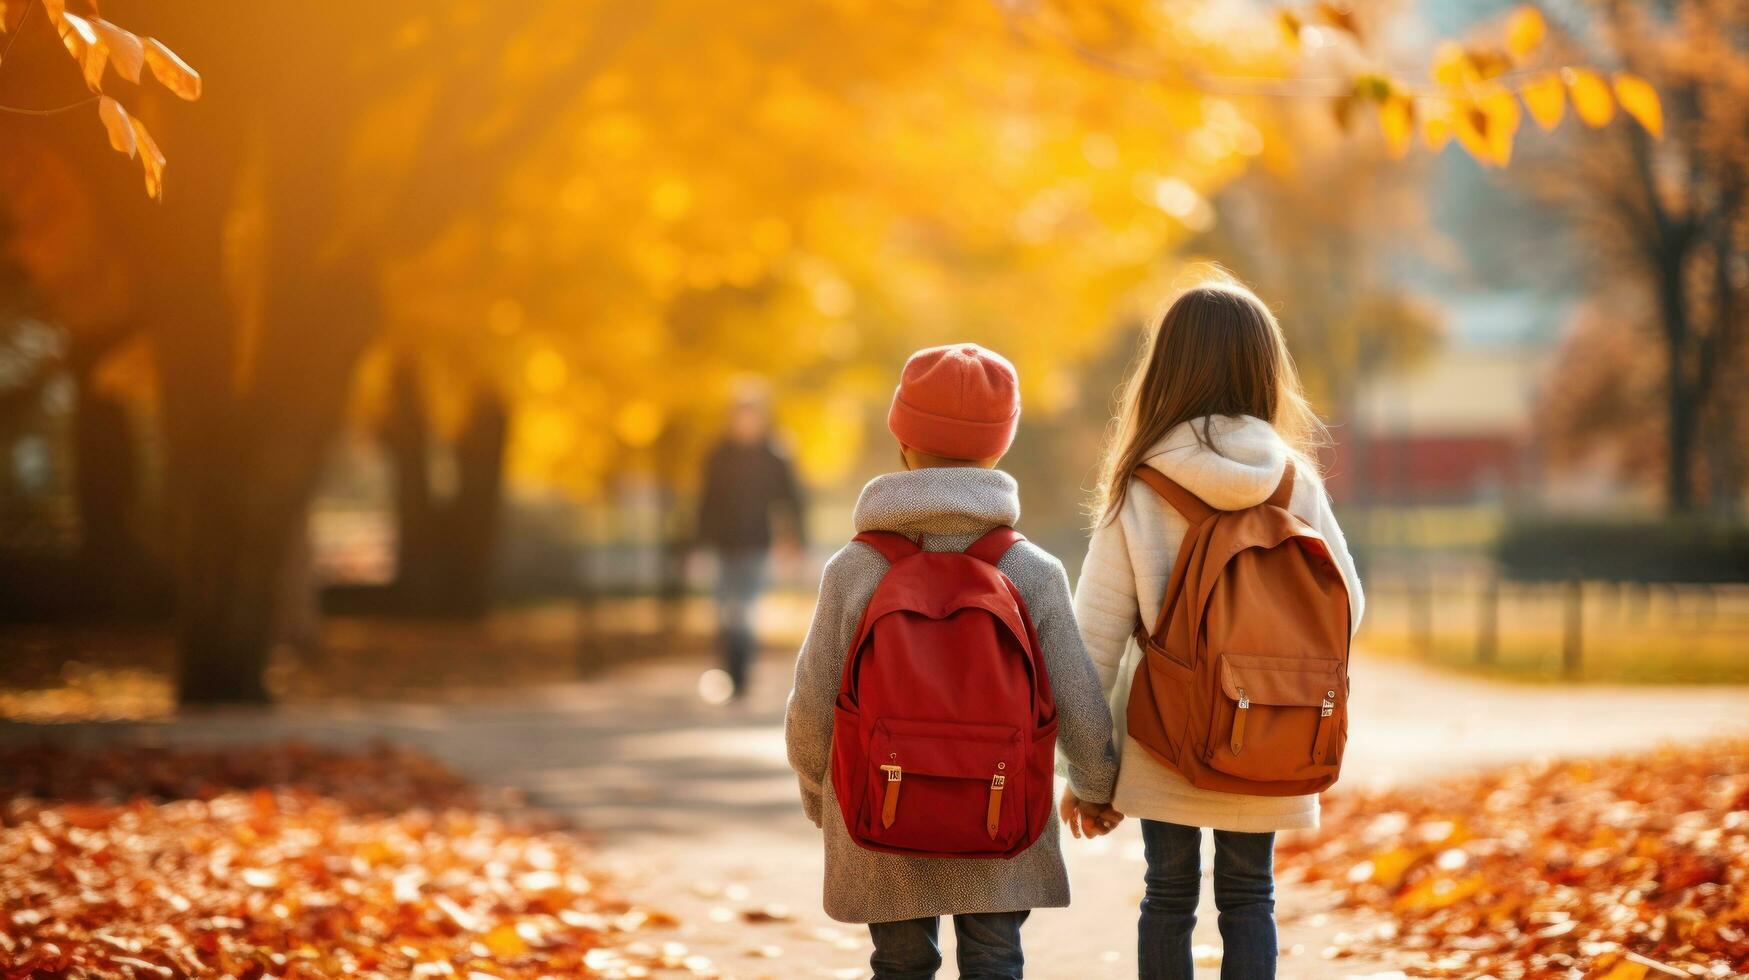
<point>960,401</point>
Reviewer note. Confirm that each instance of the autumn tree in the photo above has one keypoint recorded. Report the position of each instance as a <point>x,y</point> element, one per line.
<point>605,211</point>
<point>1668,223</point>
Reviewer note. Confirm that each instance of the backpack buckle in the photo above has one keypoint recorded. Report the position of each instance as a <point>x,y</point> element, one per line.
<point>1329,704</point>
<point>997,782</point>
<point>1244,700</point>
<point>894,773</point>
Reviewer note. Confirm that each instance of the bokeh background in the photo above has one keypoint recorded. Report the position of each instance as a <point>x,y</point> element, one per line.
<point>359,363</point>
<point>443,305</point>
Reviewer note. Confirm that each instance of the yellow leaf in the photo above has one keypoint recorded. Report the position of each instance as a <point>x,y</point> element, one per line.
<point>172,72</point>
<point>1489,62</point>
<point>1397,121</point>
<point>1435,892</point>
<point>1471,127</point>
<point>126,52</point>
<point>1546,98</point>
<point>1290,25</point>
<point>118,124</point>
<point>1503,118</point>
<point>1436,124</point>
<point>1639,99</point>
<point>1624,969</point>
<point>1525,31</point>
<point>1339,16</point>
<point>1452,65</point>
<point>506,943</point>
<point>86,48</point>
<point>151,159</point>
<point>1591,98</point>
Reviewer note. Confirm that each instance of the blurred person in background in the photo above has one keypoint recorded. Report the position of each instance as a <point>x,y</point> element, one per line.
<point>749,499</point>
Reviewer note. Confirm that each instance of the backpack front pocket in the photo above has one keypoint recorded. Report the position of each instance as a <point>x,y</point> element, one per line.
<point>1277,718</point>
<point>945,786</point>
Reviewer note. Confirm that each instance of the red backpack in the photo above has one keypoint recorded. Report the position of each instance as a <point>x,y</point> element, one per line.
<point>945,731</point>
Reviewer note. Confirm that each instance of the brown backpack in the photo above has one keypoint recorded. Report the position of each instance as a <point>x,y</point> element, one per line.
<point>1243,686</point>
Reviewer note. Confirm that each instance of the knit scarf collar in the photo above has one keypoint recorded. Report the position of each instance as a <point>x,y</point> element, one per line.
<point>955,500</point>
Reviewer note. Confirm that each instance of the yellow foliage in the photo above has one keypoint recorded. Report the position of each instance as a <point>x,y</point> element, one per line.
<point>1591,98</point>
<point>1525,31</point>
<point>638,423</point>
<point>1452,65</point>
<point>171,71</point>
<point>117,124</point>
<point>151,158</point>
<point>1397,120</point>
<point>1640,100</point>
<point>1436,891</point>
<point>1624,969</point>
<point>1546,98</point>
<point>1438,121</point>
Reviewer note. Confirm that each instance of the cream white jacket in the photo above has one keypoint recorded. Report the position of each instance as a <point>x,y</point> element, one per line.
<point>1123,581</point>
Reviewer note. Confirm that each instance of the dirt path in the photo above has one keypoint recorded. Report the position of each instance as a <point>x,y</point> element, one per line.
<point>696,810</point>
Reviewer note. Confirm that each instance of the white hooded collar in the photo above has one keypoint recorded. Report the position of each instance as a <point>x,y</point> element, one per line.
<point>1241,471</point>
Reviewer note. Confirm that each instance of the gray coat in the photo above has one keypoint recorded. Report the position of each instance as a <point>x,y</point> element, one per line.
<point>951,508</point>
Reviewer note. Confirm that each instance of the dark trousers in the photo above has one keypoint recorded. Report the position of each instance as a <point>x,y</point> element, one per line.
<point>740,579</point>
<point>989,947</point>
<point>1244,894</point>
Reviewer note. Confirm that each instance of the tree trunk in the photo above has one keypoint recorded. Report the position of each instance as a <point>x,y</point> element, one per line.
<point>407,438</point>
<point>106,491</point>
<point>229,595</point>
<point>246,456</point>
<point>445,548</point>
<point>474,513</point>
<point>106,483</point>
<point>1681,407</point>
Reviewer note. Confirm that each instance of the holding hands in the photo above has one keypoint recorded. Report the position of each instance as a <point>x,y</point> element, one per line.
<point>1087,820</point>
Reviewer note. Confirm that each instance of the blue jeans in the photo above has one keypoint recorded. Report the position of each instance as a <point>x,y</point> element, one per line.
<point>1244,894</point>
<point>740,579</point>
<point>989,947</point>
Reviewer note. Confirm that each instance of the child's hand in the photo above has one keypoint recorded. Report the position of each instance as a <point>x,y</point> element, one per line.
<point>1085,819</point>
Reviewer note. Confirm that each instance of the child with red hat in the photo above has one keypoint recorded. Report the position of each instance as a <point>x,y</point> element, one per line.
<point>954,416</point>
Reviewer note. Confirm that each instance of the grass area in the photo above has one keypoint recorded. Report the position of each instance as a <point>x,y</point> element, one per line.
<point>1626,635</point>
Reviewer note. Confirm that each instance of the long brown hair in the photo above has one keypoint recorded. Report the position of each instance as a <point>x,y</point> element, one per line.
<point>1217,350</point>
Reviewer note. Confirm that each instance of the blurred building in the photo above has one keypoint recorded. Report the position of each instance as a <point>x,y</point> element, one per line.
<point>1457,427</point>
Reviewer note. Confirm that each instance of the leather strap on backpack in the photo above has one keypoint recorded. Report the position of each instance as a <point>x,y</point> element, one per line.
<point>891,544</point>
<point>1183,501</point>
<point>1192,508</point>
<point>995,543</point>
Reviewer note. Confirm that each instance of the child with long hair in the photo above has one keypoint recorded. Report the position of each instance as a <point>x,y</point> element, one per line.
<point>1216,406</point>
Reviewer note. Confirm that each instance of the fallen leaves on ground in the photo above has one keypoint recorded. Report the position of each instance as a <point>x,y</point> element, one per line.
<point>1621,868</point>
<point>291,861</point>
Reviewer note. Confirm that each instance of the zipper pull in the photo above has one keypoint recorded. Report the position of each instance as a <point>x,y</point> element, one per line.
<point>890,806</point>
<point>993,812</point>
<point>1321,737</point>
<point>1237,741</point>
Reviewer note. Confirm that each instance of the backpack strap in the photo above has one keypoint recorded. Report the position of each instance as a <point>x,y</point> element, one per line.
<point>1284,490</point>
<point>995,543</point>
<point>1182,500</point>
<point>891,544</point>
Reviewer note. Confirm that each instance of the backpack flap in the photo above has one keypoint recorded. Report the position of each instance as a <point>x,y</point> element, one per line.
<point>1279,715</point>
